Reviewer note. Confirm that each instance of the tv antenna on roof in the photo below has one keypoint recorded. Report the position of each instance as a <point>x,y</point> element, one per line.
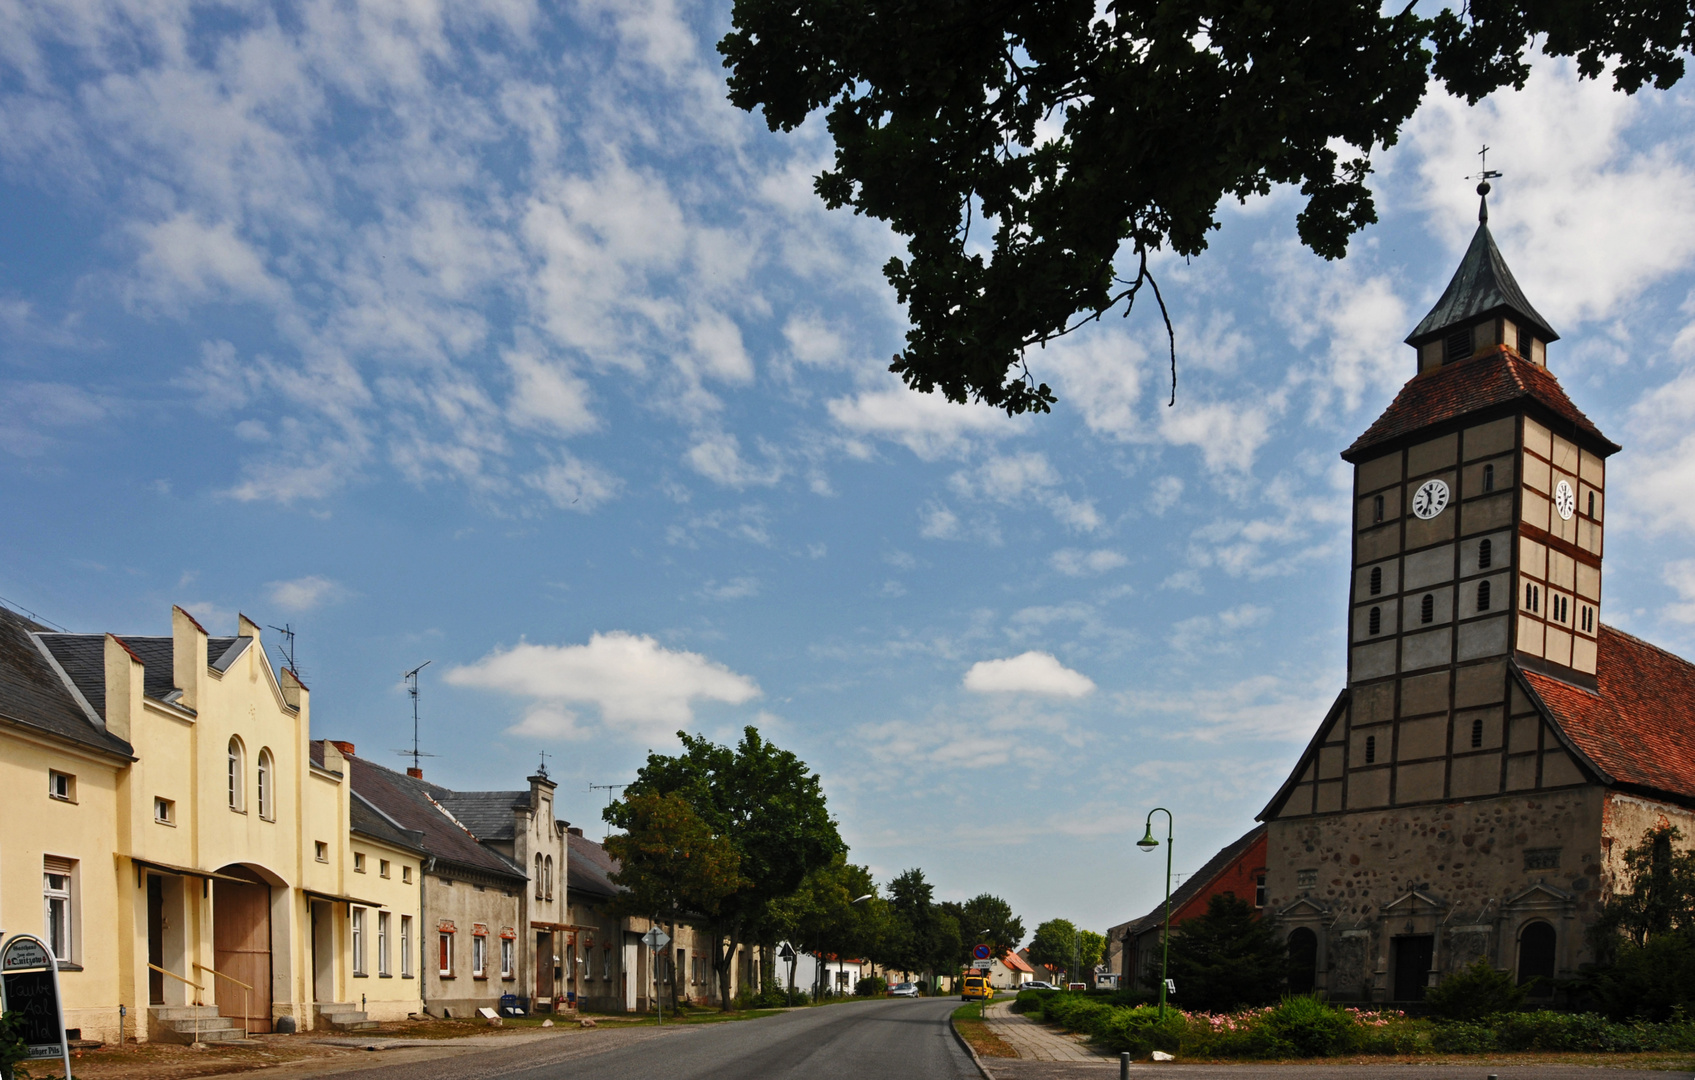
<point>411,678</point>
<point>609,789</point>
<point>286,649</point>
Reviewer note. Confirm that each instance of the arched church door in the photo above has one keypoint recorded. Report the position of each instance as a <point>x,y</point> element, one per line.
<point>1536,957</point>
<point>1303,961</point>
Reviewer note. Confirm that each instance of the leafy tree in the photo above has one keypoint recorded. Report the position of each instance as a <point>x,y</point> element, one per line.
<point>1060,944</point>
<point>1646,936</point>
<point>924,936</point>
<point>986,920</point>
<point>1060,134</point>
<point>13,1049</point>
<point>1227,958</point>
<point>1652,981</point>
<point>1474,992</point>
<point>1662,889</point>
<point>821,917</point>
<point>767,805</point>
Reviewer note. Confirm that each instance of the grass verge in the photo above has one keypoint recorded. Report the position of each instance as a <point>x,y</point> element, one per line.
<point>968,1021</point>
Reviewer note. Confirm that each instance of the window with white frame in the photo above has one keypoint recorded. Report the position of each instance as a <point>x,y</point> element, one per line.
<point>406,875</point>
<point>539,890</point>
<point>446,944</point>
<point>382,868</point>
<point>237,779</point>
<point>61,786</point>
<point>359,942</point>
<point>267,785</point>
<point>358,862</point>
<point>479,956</point>
<point>406,946</point>
<point>59,914</point>
<point>507,970</point>
<point>164,810</point>
<point>383,969</point>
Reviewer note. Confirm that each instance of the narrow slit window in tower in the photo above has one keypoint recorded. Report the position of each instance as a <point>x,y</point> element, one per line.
<point>1427,608</point>
<point>1488,480</point>
<point>1374,621</point>
<point>1377,509</point>
<point>1485,554</point>
<point>1591,504</point>
<point>1483,596</point>
<point>1370,749</point>
<point>1376,580</point>
<point>1477,733</point>
<point>1457,346</point>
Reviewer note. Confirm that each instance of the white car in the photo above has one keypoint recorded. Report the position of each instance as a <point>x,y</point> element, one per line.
<point>1037,984</point>
<point>903,990</point>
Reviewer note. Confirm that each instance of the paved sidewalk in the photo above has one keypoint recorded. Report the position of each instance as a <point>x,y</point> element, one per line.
<point>1034,1042</point>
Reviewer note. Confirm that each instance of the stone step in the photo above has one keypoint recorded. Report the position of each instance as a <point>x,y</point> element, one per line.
<point>181,1012</point>
<point>350,1020</point>
<point>186,1023</point>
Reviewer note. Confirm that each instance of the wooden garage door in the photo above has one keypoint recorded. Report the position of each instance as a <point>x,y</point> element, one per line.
<point>241,942</point>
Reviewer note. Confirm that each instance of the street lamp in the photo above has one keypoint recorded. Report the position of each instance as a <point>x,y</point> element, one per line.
<point>1148,843</point>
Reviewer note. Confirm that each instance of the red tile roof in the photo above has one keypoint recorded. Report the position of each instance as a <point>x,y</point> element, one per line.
<point>1014,962</point>
<point>1494,377</point>
<point>1639,729</point>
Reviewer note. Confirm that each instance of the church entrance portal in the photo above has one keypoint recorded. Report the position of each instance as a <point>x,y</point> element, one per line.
<point>241,949</point>
<point>1413,954</point>
<point>1536,958</point>
<point>1303,961</point>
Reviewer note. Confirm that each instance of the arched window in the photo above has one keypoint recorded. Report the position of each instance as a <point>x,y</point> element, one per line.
<point>1374,621</point>
<point>1536,958</point>
<point>1370,749</point>
<point>1488,480</point>
<point>1377,509</point>
<point>237,775</point>
<point>1483,596</point>
<point>1427,608</point>
<point>267,784</point>
<point>1303,961</point>
<point>1532,597</point>
<point>549,874</point>
<point>540,885</point>
<point>1477,733</point>
<point>1485,554</point>
<point>1376,581</point>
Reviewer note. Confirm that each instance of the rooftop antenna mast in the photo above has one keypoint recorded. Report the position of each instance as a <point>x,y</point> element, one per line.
<point>411,678</point>
<point>609,789</point>
<point>286,649</point>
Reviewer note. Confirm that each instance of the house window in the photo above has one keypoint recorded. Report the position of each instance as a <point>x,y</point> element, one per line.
<point>1370,749</point>
<point>446,955</point>
<point>1485,554</point>
<point>320,851</point>
<point>1588,619</point>
<point>1488,480</point>
<point>1476,733</point>
<point>359,942</point>
<point>61,786</point>
<point>358,862</point>
<point>1259,891</point>
<point>382,868</point>
<point>479,955</point>
<point>1483,596</point>
<point>382,944</point>
<point>506,965</point>
<point>165,811</point>
<point>539,891</point>
<point>549,875</point>
<point>606,963</point>
<point>1427,608</point>
<point>406,875</point>
<point>267,785</point>
<point>1542,858</point>
<point>406,946</point>
<point>237,778</point>
<point>59,906</point>
<point>1376,580</point>
<point>1376,509</point>
<point>1561,607</point>
<point>1374,621</point>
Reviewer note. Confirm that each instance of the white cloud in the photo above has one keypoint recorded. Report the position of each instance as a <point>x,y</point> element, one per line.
<point>1099,373</point>
<point>734,589</point>
<point>304,594</point>
<point>547,394</point>
<point>641,689</point>
<point>1680,575</point>
<point>1027,673</point>
<point>1019,479</point>
<point>186,260</point>
<point>927,424</point>
<point>937,522</point>
<point>1228,434</point>
<point>573,484</point>
<point>718,457</point>
<point>1074,563</point>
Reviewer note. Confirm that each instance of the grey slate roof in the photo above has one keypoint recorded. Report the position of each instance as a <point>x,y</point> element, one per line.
<point>1480,286</point>
<point>488,814</point>
<point>32,693</point>
<point>410,803</point>
<point>365,819</point>
<point>587,870</point>
<point>83,656</point>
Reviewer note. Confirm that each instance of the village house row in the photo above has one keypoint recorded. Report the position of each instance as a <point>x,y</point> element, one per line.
<point>177,836</point>
<point>1472,791</point>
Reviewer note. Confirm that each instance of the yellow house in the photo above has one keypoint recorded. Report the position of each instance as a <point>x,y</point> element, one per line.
<point>175,834</point>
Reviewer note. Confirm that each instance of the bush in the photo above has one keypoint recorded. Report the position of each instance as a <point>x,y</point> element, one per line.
<point>1306,1027</point>
<point>871,986</point>
<point>1475,992</point>
<point>1646,982</point>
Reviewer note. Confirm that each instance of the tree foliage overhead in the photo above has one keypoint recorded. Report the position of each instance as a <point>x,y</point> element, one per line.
<point>924,935</point>
<point>986,919</point>
<point>1021,145</point>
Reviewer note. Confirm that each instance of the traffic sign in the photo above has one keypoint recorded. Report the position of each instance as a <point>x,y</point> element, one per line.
<point>983,964</point>
<point>981,952</point>
<point>656,938</point>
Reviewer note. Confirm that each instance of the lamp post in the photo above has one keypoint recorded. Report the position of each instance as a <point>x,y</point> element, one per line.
<point>1148,843</point>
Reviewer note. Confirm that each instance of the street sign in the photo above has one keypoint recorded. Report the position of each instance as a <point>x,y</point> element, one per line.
<point>787,952</point>
<point>981,952</point>
<point>29,985</point>
<point>983,964</point>
<point>656,938</point>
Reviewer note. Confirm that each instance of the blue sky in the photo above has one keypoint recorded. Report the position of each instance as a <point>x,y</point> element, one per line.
<point>489,334</point>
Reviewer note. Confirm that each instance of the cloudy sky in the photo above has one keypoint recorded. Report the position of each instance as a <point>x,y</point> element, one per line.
<point>489,334</point>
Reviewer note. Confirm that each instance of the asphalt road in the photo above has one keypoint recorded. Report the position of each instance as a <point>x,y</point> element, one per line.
<point>878,1038</point>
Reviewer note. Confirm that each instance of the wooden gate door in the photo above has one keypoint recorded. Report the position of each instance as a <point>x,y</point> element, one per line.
<point>241,945</point>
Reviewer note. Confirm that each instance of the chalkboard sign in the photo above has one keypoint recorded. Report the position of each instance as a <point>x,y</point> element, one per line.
<point>29,986</point>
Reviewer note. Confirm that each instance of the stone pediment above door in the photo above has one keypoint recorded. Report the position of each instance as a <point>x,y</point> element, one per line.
<point>1415,902</point>
<point>1306,909</point>
<point>1542,896</point>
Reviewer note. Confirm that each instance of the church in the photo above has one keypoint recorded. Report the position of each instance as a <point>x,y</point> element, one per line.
<point>1497,748</point>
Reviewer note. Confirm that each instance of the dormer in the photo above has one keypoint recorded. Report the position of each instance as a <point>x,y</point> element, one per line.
<point>1482,307</point>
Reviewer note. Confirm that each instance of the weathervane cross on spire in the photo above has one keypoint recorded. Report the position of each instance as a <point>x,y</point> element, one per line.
<point>1483,177</point>
<point>542,768</point>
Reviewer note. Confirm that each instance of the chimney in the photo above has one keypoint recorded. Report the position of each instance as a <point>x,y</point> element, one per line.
<point>188,657</point>
<point>345,747</point>
<point>414,772</point>
<point>574,831</point>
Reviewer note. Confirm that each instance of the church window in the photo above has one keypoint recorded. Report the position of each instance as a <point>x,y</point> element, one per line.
<point>1542,858</point>
<point>539,892</point>
<point>1374,621</point>
<point>1561,608</point>
<point>1376,582</point>
<point>548,873</point>
<point>1588,619</point>
<point>1532,597</point>
<point>237,769</point>
<point>1483,596</point>
<point>1485,554</point>
<point>1427,608</point>
<point>1477,733</point>
<point>1370,749</point>
<point>1591,504</point>
<point>1457,346</point>
<point>1377,509</point>
<point>1488,480</point>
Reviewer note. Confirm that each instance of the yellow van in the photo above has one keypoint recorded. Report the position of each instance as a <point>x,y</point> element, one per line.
<point>977,988</point>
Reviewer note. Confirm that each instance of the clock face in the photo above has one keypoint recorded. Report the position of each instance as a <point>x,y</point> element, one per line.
<point>1430,499</point>
<point>1565,500</point>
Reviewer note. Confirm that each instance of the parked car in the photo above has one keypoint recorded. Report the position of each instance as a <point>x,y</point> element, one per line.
<point>903,990</point>
<point>976,988</point>
<point>1037,984</point>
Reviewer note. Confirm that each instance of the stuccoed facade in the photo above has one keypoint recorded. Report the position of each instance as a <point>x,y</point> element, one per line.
<point>1472,791</point>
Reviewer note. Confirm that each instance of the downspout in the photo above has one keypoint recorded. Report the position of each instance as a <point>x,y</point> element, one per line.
<point>423,921</point>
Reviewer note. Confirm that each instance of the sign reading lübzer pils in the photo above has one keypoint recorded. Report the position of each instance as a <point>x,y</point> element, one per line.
<point>29,986</point>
